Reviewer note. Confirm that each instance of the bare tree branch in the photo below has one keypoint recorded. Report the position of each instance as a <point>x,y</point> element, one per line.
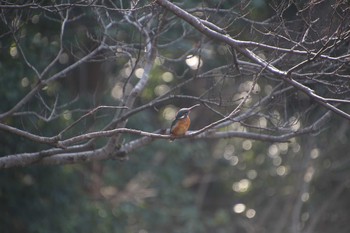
<point>261,83</point>
<point>240,46</point>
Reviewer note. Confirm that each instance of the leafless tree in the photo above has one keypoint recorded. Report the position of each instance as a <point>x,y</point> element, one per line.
<point>286,79</point>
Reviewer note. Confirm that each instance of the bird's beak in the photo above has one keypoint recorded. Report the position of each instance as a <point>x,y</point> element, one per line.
<point>194,106</point>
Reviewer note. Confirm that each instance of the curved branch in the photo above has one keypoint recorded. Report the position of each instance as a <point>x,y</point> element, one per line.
<point>30,136</point>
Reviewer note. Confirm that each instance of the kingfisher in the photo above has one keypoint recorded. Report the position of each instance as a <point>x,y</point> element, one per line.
<point>182,121</point>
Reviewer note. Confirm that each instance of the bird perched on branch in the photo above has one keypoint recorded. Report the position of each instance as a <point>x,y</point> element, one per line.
<point>182,121</point>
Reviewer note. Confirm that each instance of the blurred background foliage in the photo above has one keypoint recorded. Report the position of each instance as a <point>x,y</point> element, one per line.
<point>227,185</point>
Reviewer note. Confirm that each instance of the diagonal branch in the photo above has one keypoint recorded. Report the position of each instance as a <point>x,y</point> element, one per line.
<point>241,47</point>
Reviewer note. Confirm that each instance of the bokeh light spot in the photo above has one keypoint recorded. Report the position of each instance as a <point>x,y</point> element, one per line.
<point>241,186</point>
<point>305,197</point>
<point>67,115</point>
<point>13,51</point>
<point>309,174</point>
<point>117,91</point>
<point>35,19</point>
<point>250,213</point>
<point>262,122</point>
<point>161,89</point>
<point>239,208</point>
<point>252,174</point>
<point>281,170</point>
<point>167,77</point>
<point>169,113</point>
<point>273,151</point>
<point>25,82</point>
<point>139,72</point>
<point>194,62</point>
<point>247,144</point>
<point>64,58</point>
<point>315,153</point>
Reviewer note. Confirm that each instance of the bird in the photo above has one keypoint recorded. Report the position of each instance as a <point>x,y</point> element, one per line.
<point>182,121</point>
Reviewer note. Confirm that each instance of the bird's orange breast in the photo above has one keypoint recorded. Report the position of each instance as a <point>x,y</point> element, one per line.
<point>181,127</point>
